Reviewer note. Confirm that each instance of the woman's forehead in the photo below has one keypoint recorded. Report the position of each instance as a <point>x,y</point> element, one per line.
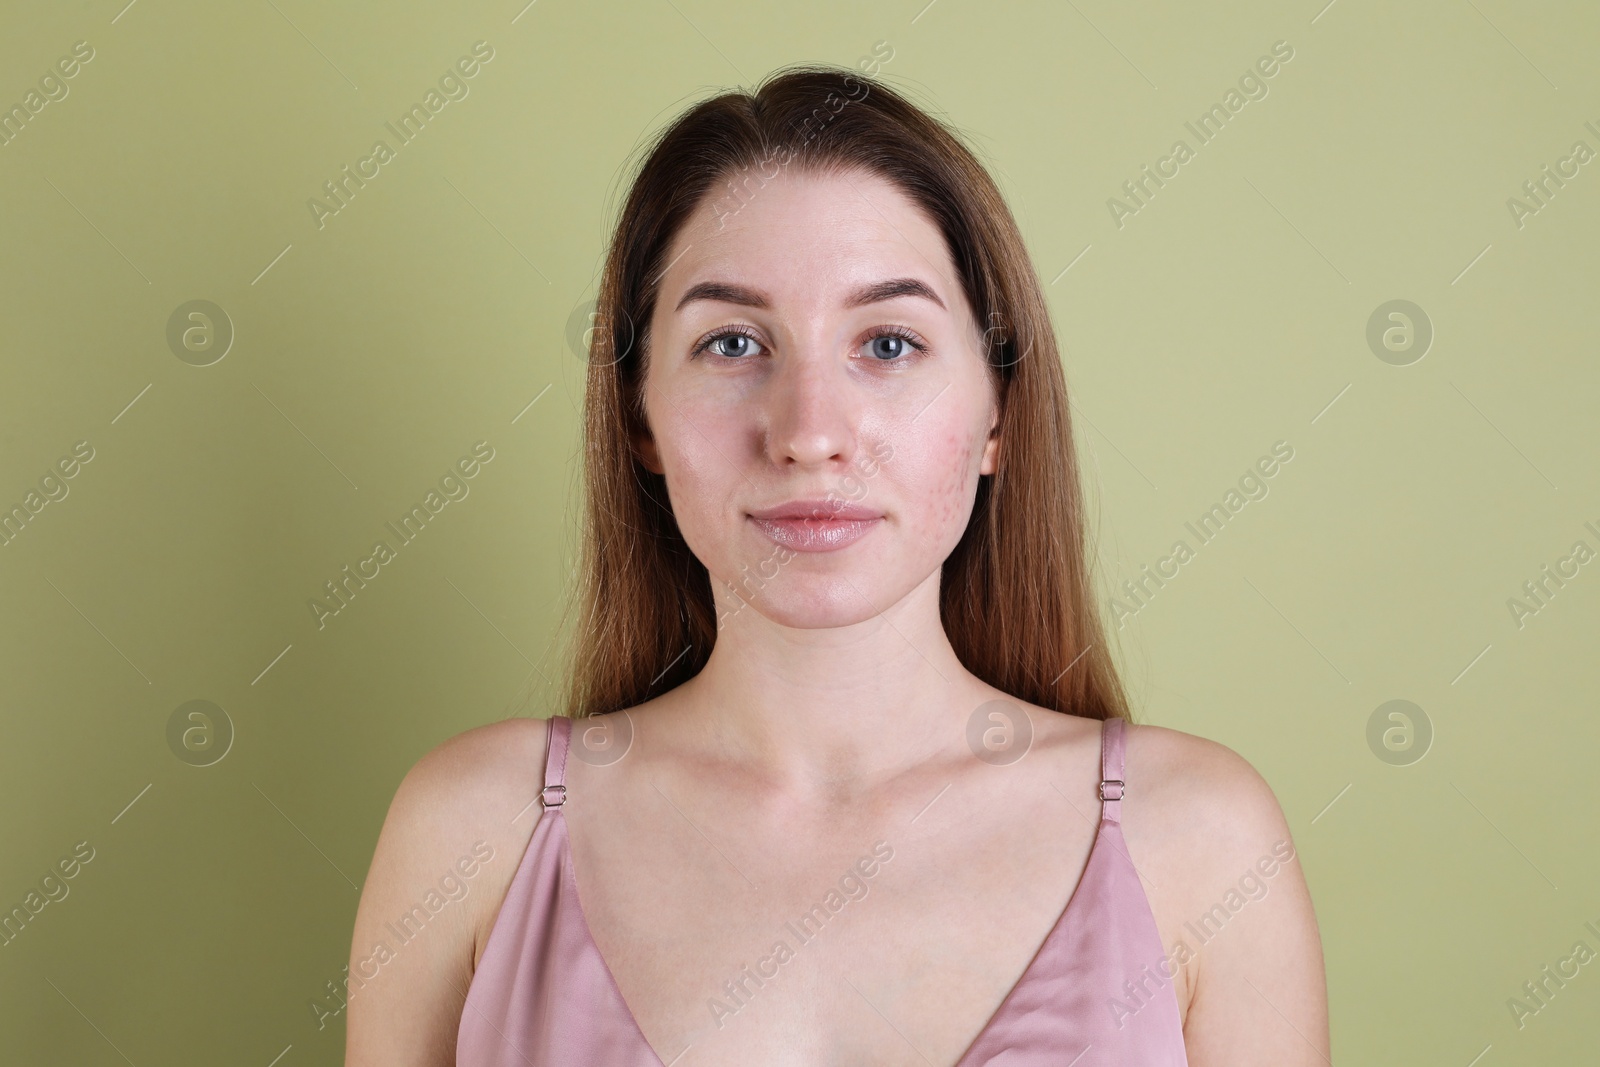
<point>814,239</point>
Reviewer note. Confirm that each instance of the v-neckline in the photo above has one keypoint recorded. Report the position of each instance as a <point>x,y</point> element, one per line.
<point>569,869</point>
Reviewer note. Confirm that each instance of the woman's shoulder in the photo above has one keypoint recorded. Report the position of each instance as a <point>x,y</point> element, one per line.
<point>472,786</point>
<point>477,764</point>
<point>1191,806</point>
<point>448,849</point>
<point>1198,811</point>
<point>1198,785</point>
<point>1210,838</point>
<point>472,791</point>
<point>1197,779</point>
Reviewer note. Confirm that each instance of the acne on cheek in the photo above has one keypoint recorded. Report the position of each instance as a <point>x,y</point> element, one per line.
<point>951,496</point>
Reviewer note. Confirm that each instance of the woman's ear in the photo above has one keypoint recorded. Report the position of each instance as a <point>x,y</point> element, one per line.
<point>991,447</point>
<point>644,446</point>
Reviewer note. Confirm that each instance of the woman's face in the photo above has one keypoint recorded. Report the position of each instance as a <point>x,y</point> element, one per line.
<point>816,347</point>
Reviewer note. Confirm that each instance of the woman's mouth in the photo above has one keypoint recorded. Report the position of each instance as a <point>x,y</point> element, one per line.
<point>815,525</point>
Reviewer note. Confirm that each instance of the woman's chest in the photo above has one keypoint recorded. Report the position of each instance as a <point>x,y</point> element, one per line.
<point>887,942</point>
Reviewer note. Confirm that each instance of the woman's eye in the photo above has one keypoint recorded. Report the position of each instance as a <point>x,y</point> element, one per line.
<point>732,345</point>
<point>892,346</point>
<point>887,346</point>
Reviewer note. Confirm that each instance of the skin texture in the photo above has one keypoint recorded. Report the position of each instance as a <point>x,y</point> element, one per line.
<point>832,715</point>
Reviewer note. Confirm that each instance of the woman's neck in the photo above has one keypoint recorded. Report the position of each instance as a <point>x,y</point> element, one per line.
<point>841,709</point>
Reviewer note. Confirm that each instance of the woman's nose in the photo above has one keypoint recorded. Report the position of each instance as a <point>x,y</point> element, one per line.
<point>811,412</point>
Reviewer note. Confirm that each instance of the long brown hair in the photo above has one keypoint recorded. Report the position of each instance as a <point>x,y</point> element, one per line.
<point>1016,597</point>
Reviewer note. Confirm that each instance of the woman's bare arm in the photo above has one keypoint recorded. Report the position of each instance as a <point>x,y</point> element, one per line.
<point>1260,989</point>
<point>444,859</point>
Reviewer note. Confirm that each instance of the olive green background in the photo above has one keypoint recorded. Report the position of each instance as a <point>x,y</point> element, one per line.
<point>370,354</point>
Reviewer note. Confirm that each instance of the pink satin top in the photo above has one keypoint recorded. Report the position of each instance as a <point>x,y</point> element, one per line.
<point>1096,993</point>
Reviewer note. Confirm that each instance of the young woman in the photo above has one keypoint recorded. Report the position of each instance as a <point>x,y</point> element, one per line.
<point>846,775</point>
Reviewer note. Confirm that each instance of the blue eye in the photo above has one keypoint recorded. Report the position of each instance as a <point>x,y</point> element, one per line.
<point>891,344</point>
<point>738,344</point>
<point>887,346</point>
<point>895,344</point>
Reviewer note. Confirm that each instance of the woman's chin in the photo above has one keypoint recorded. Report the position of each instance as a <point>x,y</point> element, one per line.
<point>829,603</point>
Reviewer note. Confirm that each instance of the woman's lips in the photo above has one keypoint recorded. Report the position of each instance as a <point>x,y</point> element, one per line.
<point>815,535</point>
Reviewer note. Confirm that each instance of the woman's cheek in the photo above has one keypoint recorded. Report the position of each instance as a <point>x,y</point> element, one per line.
<point>701,485</point>
<point>949,497</point>
<point>690,490</point>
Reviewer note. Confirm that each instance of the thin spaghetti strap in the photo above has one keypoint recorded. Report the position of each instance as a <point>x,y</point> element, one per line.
<point>554,793</point>
<point>1112,787</point>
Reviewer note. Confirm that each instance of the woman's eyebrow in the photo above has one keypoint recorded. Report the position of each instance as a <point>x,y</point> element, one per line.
<point>890,289</point>
<point>729,293</point>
